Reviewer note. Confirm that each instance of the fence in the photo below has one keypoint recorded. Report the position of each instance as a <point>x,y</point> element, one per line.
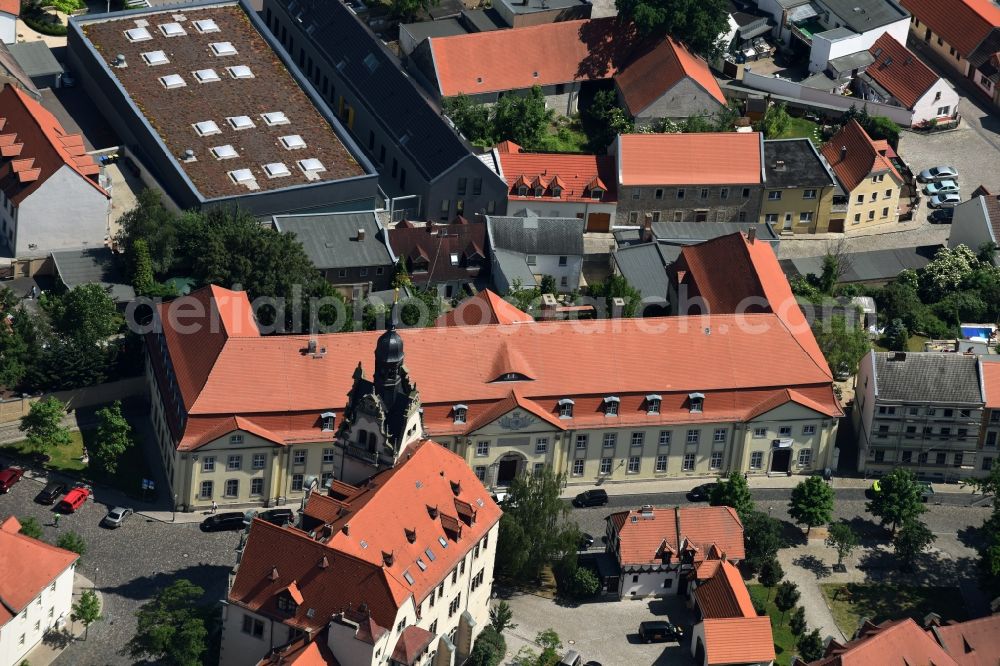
<point>89,396</point>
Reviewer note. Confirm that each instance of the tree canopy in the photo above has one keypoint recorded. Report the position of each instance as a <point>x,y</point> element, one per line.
<point>734,492</point>
<point>912,539</point>
<point>43,425</point>
<point>604,119</point>
<point>617,286</point>
<point>843,539</point>
<point>696,23</point>
<point>86,610</point>
<point>842,345</point>
<point>899,498</point>
<point>762,538</point>
<point>171,627</point>
<point>523,119</point>
<point>114,436</point>
<point>811,503</point>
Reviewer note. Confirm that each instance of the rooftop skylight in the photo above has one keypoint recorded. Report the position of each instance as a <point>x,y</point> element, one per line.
<point>223,48</point>
<point>276,170</point>
<point>206,128</point>
<point>240,122</point>
<point>206,25</point>
<point>242,176</point>
<point>240,72</point>
<point>205,75</point>
<point>155,58</point>
<point>172,30</point>
<point>138,35</point>
<point>311,164</point>
<point>225,152</point>
<point>273,118</point>
<point>292,142</point>
<point>172,81</point>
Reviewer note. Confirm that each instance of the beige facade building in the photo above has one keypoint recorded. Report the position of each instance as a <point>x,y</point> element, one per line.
<point>798,188</point>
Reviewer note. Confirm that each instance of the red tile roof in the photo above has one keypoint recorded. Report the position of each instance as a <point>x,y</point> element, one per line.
<point>962,23</point>
<point>892,643</point>
<point>724,594</point>
<point>899,71</point>
<point>972,643</point>
<point>302,652</point>
<point>991,384</point>
<point>861,159</point>
<point>27,566</point>
<point>486,307</point>
<point>645,539</point>
<point>11,7</point>
<point>42,147</point>
<point>576,174</point>
<point>411,644</point>
<point>724,158</point>
<point>658,69</point>
<point>427,250</point>
<point>741,640</point>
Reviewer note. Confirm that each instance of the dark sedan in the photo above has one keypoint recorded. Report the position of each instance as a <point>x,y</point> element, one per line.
<point>218,522</point>
<point>659,631</point>
<point>702,493</point>
<point>586,541</point>
<point>51,492</point>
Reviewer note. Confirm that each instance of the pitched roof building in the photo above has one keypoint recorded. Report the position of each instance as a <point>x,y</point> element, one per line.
<point>525,249</point>
<point>485,308</point>
<point>971,643</point>
<point>867,175</point>
<point>729,630</point>
<point>893,643</point>
<point>446,257</point>
<point>976,222</point>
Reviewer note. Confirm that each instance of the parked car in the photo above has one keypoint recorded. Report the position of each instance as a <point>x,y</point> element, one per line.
<point>116,517</point>
<point>276,516</point>
<point>595,497</point>
<point>586,541</point>
<point>571,658</point>
<point>942,187</point>
<point>232,520</point>
<point>945,200</point>
<point>926,490</point>
<point>938,173</point>
<point>51,492</point>
<point>942,216</point>
<point>659,631</point>
<point>8,477</point>
<point>701,493</point>
<point>74,499</point>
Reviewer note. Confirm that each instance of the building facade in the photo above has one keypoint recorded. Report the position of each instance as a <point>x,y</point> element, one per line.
<point>866,175</point>
<point>799,189</point>
<point>526,249</point>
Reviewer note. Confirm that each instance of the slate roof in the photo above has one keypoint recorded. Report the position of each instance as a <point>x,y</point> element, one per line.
<point>928,377</point>
<point>537,235</point>
<point>688,233</point>
<point>899,71</point>
<point>964,24</point>
<point>871,266</point>
<point>874,14</point>
<point>391,96</point>
<point>645,265</point>
<point>514,266</point>
<point>12,68</point>
<point>93,266</point>
<point>802,164</point>
<point>440,28</point>
<point>36,58</point>
<point>724,158</point>
<point>331,240</point>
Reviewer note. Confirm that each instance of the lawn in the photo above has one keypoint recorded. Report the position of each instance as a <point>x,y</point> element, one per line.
<point>914,344</point>
<point>784,639</point>
<point>801,127</point>
<point>565,135</point>
<point>853,602</point>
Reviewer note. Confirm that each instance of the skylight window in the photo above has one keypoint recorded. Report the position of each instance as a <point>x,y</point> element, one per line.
<point>311,165</point>
<point>206,128</point>
<point>240,122</point>
<point>421,564</point>
<point>276,170</point>
<point>223,48</point>
<point>273,118</point>
<point>172,30</point>
<point>371,62</point>
<point>172,81</point>
<point>155,58</point>
<point>225,152</point>
<point>206,25</point>
<point>240,72</point>
<point>241,176</point>
<point>408,576</point>
<point>205,75</point>
<point>443,542</point>
<point>138,35</point>
<point>430,554</point>
<point>292,142</point>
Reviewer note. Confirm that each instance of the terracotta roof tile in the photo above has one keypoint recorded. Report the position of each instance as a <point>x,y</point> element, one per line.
<point>861,159</point>
<point>435,243</point>
<point>962,23</point>
<point>726,158</point>
<point>302,652</point>
<point>576,173</point>
<point>892,643</point>
<point>411,644</point>
<point>486,307</point>
<point>738,640</point>
<point>899,71</point>
<point>27,566</point>
<point>991,384</point>
<point>660,68</point>
<point>725,594</point>
<point>12,7</point>
<point>642,540</point>
<point>972,643</point>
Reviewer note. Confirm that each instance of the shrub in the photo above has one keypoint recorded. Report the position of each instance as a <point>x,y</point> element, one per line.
<point>489,649</point>
<point>584,583</point>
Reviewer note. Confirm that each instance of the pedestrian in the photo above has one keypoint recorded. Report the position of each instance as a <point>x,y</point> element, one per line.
<point>55,521</point>
<point>215,507</point>
<point>746,476</point>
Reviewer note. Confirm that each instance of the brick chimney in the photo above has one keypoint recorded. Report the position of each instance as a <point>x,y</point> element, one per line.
<point>647,228</point>
<point>751,235</point>
<point>361,234</point>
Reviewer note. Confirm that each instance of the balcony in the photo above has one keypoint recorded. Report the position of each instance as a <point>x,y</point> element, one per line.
<point>361,452</point>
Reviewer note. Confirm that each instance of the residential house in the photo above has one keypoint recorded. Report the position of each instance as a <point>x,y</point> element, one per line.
<point>646,267</point>
<point>697,177</point>
<point>660,79</point>
<point>449,258</point>
<point>892,641</point>
<point>242,419</point>
<point>898,77</point>
<point>37,591</point>
<point>657,550</point>
<point>971,642</point>
<point>798,187</point>
<point>483,309</point>
<point>9,11</point>
<point>425,169</point>
<point>921,411</point>
<point>38,62</point>
<point>976,222</point>
<point>834,28</point>
<point>396,570</point>
<point>12,73</point>
<point>558,185</point>
<point>746,23</point>
<point>522,13</point>
<point>351,250</point>
<point>964,35</point>
<point>51,192</point>
<point>867,176</point>
<point>989,432</point>
<point>526,249</point>
<point>728,630</point>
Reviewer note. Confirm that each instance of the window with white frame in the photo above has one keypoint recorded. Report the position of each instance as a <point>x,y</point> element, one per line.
<point>661,463</point>
<point>633,464</point>
<point>610,439</point>
<point>541,445</point>
<point>715,461</point>
<point>809,430</point>
<point>653,404</point>
<point>719,435</point>
<point>760,433</point>
<point>236,439</point>
<point>581,442</point>
<point>611,406</point>
<point>696,402</point>
<point>605,465</point>
<point>299,457</point>
<point>664,438</point>
<point>577,468</point>
<point>234,463</point>
<point>259,460</point>
<point>208,464</point>
<point>327,456</point>
<point>756,460</point>
<point>805,457</point>
<point>638,438</point>
<point>785,431</point>
<point>565,408</point>
<point>232,487</point>
<point>537,470</point>
<point>326,421</point>
<point>482,449</point>
<point>460,412</point>
<point>693,436</point>
<point>688,462</point>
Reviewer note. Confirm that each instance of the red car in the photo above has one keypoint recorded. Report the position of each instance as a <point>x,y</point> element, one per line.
<point>9,477</point>
<point>74,499</point>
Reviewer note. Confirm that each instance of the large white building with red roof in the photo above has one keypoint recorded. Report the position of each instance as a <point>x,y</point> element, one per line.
<point>51,196</point>
<point>36,591</point>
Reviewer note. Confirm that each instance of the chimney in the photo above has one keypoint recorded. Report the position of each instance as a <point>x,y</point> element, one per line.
<point>346,529</point>
<point>751,235</point>
<point>361,234</point>
<point>617,307</point>
<point>388,558</point>
<point>411,535</point>
<point>843,153</point>
<point>899,356</point>
<point>647,228</point>
<point>779,165</point>
<point>312,346</point>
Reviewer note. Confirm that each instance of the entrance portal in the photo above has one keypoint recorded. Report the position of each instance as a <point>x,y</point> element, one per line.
<point>506,471</point>
<point>781,460</point>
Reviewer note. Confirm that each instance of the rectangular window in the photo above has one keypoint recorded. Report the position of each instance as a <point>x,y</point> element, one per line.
<point>633,464</point>
<point>581,442</point>
<point>463,183</point>
<point>760,433</point>
<point>477,186</point>
<point>610,439</point>
<point>774,195</point>
<point>327,456</point>
<point>232,487</point>
<point>715,461</point>
<point>658,193</point>
<point>692,436</point>
<point>482,449</point>
<point>664,438</point>
<point>809,194</point>
<point>633,217</point>
<point>256,487</point>
<point>805,457</point>
<point>785,431</point>
<point>605,465</point>
<point>809,430</point>
<point>445,209</point>
<point>756,460</point>
<point>253,626</point>
<point>959,457</point>
<point>885,212</point>
<point>562,261</point>
<point>297,480</point>
<point>234,463</point>
<point>541,445</point>
<point>638,438</point>
<point>208,464</point>
<point>661,463</point>
<point>720,435</point>
<point>371,140</point>
<point>746,192</point>
<point>680,192</point>
<point>991,440</point>
<point>635,193</point>
<point>871,215</point>
<point>771,218</point>
<point>236,439</point>
<point>531,259</point>
<point>688,462</point>
<point>206,490</point>
<point>704,193</point>
<point>480,474</point>
<point>577,468</point>
<point>940,458</point>
<point>299,457</point>
<point>259,460</point>
<point>987,464</point>
<point>805,218</point>
<point>724,193</point>
<point>964,413</point>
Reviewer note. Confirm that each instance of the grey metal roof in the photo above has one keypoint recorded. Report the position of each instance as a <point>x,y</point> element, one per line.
<point>688,233</point>
<point>95,265</point>
<point>644,266</point>
<point>865,15</point>
<point>483,20</point>
<point>13,69</point>
<point>821,81</point>
<point>871,266</point>
<point>928,377</point>
<point>802,164</point>
<point>531,6</point>
<point>836,33</point>
<point>514,266</point>
<point>35,58</point>
<point>440,28</point>
<point>852,61</point>
<point>331,241</point>
<point>537,235</point>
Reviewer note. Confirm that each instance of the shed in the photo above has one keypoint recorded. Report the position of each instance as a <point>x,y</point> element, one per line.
<point>37,61</point>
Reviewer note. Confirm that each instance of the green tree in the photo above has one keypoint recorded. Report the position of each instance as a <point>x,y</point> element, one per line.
<point>548,285</point>
<point>899,499</point>
<point>617,286</point>
<point>797,621</point>
<point>151,222</point>
<point>421,309</point>
<point>114,436</point>
<point>171,627</point>
<point>401,278</point>
<point>584,584</point>
<point>471,119</point>
<point>604,120</point>
<point>142,279</point>
<point>897,338</point>
<point>408,10</point>
<point>912,539</point>
<point>697,23</point>
<point>524,119</point>
<point>734,492</point>
<point>762,539</point>
<point>524,298</point>
<point>86,610</point>
<point>771,573</point>
<point>831,273</point>
<point>811,503</point>
<point>880,127</point>
<point>501,616</point>
<point>549,640</point>
<point>488,650</point>
<point>946,272</point>
<point>534,530</point>
<point>43,425</point>
<point>787,596</point>
<point>86,314</point>
<point>72,542</point>
<point>842,346</point>
<point>842,538</point>
<point>19,347</point>
<point>899,300</point>
<point>811,646</point>
<point>775,121</point>
<point>31,528</point>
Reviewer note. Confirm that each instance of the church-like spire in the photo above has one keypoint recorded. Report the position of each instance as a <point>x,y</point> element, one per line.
<point>389,352</point>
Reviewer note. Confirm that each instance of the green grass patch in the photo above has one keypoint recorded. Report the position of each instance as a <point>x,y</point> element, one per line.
<point>852,602</point>
<point>801,127</point>
<point>65,459</point>
<point>565,135</point>
<point>784,639</point>
<point>915,343</point>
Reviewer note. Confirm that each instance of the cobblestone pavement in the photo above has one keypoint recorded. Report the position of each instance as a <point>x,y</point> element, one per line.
<point>128,565</point>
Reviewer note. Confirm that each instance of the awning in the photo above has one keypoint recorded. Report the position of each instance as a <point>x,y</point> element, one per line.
<point>802,12</point>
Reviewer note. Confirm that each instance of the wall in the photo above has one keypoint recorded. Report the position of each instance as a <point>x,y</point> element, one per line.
<point>549,208</point>
<point>734,207</point>
<point>927,106</point>
<point>567,277</point>
<point>13,409</point>
<point>8,28</point>
<point>946,54</point>
<point>869,212</point>
<point>639,585</point>
<point>64,213</point>
<point>793,202</point>
<point>825,50</point>
<point>684,99</point>
<point>52,612</point>
<point>445,190</point>
<point>804,94</point>
<point>522,19</point>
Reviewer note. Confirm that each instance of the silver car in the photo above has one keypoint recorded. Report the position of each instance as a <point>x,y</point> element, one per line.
<point>945,200</point>
<point>116,517</point>
<point>941,187</point>
<point>938,173</point>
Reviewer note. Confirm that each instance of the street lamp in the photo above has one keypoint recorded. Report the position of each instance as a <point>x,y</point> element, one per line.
<point>173,513</point>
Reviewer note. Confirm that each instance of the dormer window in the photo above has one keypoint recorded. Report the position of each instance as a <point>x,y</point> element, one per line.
<point>565,408</point>
<point>653,404</point>
<point>695,402</point>
<point>611,404</point>
<point>513,377</point>
<point>556,192</point>
<point>327,420</point>
<point>286,604</point>
<point>596,194</point>
<point>460,412</point>
<point>522,191</point>
<point>538,191</point>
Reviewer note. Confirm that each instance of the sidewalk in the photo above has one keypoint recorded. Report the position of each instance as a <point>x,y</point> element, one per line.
<point>55,642</point>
